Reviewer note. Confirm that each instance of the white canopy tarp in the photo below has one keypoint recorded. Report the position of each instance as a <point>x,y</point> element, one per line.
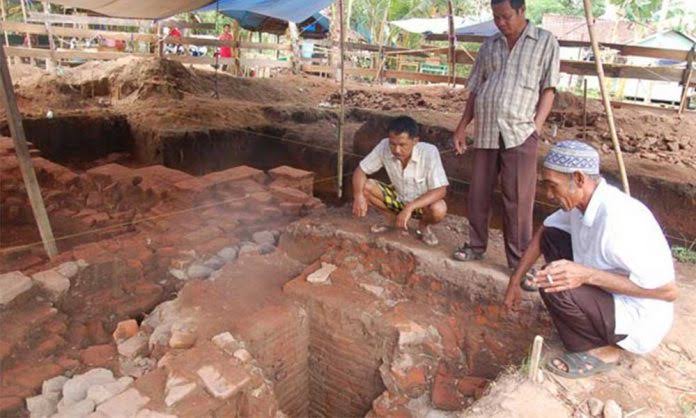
<point>437,25</point>
<point>148,9</point>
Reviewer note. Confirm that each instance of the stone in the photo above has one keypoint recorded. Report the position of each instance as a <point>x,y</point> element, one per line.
<point>136,367</point>
<point>612,409</point>
<point>321,276</point>
<point>148,413</point>
<point>68,269</point>
<point>228,253</point>
<point>75,389</point>
<point>248,248</point>
<point>98,355</point>
<point>215,262</point>
<point>43,405</point>
<point>124,405</point>
<point>242,355</point>
<point>218,386</point>
<point>375,290</point>
<point>263,237</point>
<point>178,392</point>
<point>52,282</point>
<point>125,330</point>
<point>226,342</point>
<point>198,271</point>
<point>76,410</point>
<point>12,285</point>
<point>182,339</point>
<point>595,406</point>
<point>411,333</point>
<point>101,393</point>
<point>266,249</point>
<point>134,346</point>
<point>54,385</point>
<point>179,274</point>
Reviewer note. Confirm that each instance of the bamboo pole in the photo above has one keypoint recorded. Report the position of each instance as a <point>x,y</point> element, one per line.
<point>28,36</point>
<point>605,95</point>
<point>687,81</point>
<point>14,120</point>
<point>380,54</point>
<point>451,54</point>
<point>342,110</point>
<point>4,19</point>
<point>51,62</point>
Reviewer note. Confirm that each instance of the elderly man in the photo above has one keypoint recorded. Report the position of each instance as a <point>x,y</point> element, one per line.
<point>511,92</point>
<point>609,282</point>
<point>418,181</point>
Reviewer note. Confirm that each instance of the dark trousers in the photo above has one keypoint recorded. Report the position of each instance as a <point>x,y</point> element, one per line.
<point>584,316</point>
<point>517,168</point>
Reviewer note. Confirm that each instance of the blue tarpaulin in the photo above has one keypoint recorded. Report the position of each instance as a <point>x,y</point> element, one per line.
<point>290,10</point>
<point>316,26</point>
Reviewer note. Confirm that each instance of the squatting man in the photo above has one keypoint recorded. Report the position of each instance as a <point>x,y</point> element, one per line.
<point>609,283</point>
<point>418,183</point>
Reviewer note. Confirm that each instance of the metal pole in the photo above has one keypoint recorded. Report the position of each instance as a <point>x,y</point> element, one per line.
<point>605,95</point>
<point>342,110</point>
<point>14,120</point>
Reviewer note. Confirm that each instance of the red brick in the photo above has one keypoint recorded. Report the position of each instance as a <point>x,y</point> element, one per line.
<point>195,185</point>
<point>125,330</point>
<point>110,173</point>
<point>445,393</point>
<point>9,405</point>
<point>471,385</point>
<point>96,332</point>
<point>98,355</point>
<point>50,344</point>
<point>293,177</point>
<point>31,377</point>
<point>163,174</point>
<point>231,175</point>
<point>287,194</point>
<point>77,334</point>
<point>412,381</point>
<point>68,363</point>
<point>5,349</point>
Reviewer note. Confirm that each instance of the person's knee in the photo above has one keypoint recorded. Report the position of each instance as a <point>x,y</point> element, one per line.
<point>437,211</point>
<point>371,188</point>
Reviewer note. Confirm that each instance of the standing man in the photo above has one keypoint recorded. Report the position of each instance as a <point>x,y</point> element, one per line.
<point>511,90</point>
<point>226,51</point>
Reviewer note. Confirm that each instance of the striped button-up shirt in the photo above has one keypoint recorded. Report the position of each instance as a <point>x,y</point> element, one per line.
<point>423,172</point>
<point>508,84</point>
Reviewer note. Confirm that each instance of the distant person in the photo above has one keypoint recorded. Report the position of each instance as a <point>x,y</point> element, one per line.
<point>175,33</point>
<point>226,51</point>
<point>418,181</point>
<point>609,284</point>
<point>511,91</point>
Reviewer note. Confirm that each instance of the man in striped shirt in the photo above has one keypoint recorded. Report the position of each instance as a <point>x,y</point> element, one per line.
<point>511,91</point>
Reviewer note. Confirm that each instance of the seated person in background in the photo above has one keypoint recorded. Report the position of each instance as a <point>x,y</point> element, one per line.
<point>418,181</point>
<point>609,284</point>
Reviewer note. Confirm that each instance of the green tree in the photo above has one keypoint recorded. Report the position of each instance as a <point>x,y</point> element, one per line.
<point>537,8</point>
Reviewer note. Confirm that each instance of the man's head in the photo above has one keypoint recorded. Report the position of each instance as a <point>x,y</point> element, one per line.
<point>227,28</point>
<point>403,136</point>
<point>509,16</point>
<point>570,174</point>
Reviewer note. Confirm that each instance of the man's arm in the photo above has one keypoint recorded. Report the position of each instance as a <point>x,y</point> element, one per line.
<point>544,107</point>
<point>530,256</point>
<point>567,275</point>
<point>359,200</point>
<point>467,117</point>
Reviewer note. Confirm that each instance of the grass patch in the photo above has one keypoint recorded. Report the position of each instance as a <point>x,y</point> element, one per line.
<point>685,254</point>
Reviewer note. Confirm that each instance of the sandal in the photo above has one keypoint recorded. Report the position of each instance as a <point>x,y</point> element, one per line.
<point>379,228</point>
<point>466,253</point>
<point>577,363</point>
<point>428,237</point>
<point>527,282</point>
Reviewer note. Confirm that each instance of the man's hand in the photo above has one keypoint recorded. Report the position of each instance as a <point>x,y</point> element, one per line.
<point>513,296</point>
<point>562,275</point>
<point>360,206</point>
<point>403,217</point>
<point>459,140</point>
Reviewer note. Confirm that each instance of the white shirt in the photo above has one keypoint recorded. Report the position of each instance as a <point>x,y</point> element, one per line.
<point>423,172</point>
<point>619,234</point>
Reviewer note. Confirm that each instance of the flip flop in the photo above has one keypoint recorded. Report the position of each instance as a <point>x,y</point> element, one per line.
<point>466,253</point>
<point>577,365</point>
<point>527,282</point>
<point>428,237</point>
<point>379,228</point>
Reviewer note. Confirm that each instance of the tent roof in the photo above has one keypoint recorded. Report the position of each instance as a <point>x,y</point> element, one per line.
<point>437,25</point>
<point>149,9</point>
<point>289,10</point>
<point>316,26</point>
<point>486,28</point>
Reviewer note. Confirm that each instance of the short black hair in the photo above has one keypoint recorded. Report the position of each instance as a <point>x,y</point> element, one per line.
<point>403,124</point>
<point>226,25</point>
<point>515,4</point>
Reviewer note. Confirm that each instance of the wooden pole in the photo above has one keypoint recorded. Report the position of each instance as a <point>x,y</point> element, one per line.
<point>24,16</point>
<point>381,55</point>
<point>687,81</point>
<point>605,95</point>
<point>50,63</point>
<point>451,54</point>
<point>295,45</point>
<point>584,109</point>
<point>14,120</point>
<point>342,110</point>
<point>4,19</point>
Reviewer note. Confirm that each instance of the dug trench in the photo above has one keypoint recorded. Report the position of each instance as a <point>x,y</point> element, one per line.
<point>305,138</point>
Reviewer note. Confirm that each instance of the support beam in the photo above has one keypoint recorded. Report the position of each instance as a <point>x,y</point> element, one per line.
<point>14,120</point>
<point>295,45</point>
<point>4,19</point>
<point>605,95</point>
<point>687,81</point>
<point>451,54</point>
<point>342,110</point>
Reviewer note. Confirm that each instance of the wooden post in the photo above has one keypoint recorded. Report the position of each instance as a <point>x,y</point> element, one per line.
<point>14,120</point>
<point>451,54</point>
<point>605,95</point>
<point>584,109</point>
<point>160,41</point>
<point>342,110</point>
<point>295,47</point>
<point>535,358</point>
<point>51,62</point>
<point>688,74</point>
<point>4,19</point>
<point>381,56</point>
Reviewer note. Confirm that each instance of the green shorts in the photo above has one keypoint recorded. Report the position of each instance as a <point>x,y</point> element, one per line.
<point>392,202</point>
